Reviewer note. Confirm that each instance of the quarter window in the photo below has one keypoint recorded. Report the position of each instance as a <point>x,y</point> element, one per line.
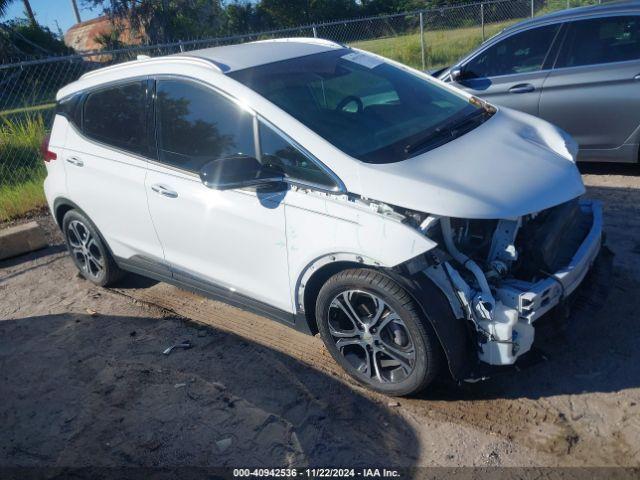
<point>520,53</point>
<point>197,125</point>
<point>601,40</point>
<point>117,116</point>
<point>278,152</point>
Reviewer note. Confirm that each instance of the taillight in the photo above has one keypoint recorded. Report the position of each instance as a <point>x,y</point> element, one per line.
<point>47,154</point>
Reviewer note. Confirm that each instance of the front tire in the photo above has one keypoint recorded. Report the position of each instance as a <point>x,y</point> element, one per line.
<point>376,332</point>
<point>88,250</point>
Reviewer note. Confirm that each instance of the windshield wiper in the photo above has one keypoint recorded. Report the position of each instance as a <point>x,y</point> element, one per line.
<point>446,131</point>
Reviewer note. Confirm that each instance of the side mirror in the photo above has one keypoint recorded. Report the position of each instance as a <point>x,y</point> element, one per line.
<point>455,73</point>
<point>238,171</point>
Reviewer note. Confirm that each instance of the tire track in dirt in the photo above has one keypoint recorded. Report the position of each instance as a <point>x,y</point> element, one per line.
<point>532,423</point>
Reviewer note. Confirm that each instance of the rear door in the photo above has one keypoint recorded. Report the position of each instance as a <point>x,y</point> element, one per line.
<point>106,164</point>
<point>594,90</point>
<point>510,72</point>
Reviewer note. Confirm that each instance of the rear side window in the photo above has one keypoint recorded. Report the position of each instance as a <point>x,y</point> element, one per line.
<point>520,53</point>
<point>117,116</point>
<point>197,125</point>
<point>601,40</point>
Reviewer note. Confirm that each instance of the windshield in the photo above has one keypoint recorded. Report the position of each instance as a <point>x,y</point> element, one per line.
<point>370,109</point>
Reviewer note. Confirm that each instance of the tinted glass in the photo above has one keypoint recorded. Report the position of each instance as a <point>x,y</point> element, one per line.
<point>372,90</point>
<point>196,125</point>
<point>369,109</point>
<point>520,53</point>
<point>279,153</point>
<point>69,107</point>
<point>601,40</point>
<point>117,116</point>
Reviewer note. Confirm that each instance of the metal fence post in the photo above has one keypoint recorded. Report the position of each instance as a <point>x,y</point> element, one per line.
<point>532,12</point>
<point>567,3</point>
<point>315,32</point>
<point>424,59</point>
<point>482,19</point>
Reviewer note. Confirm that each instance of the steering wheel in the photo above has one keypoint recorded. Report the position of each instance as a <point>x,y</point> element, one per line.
<point>347,100</point>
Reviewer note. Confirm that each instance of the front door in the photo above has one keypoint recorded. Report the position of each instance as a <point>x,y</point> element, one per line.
<point>233,240</point>
<point>511,72</point>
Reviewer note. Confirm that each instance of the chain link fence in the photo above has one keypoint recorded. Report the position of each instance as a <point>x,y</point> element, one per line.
<point>423,39</point>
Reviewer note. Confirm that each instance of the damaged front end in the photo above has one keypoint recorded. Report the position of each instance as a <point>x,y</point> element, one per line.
<point>503,275</point>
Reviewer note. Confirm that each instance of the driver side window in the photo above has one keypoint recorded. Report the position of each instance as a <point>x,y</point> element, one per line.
<point>196,125</point>
<point>281,154</point>
<point>520,53</point>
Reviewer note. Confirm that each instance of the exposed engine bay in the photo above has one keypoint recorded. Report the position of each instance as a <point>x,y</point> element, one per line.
<point>505,274</point>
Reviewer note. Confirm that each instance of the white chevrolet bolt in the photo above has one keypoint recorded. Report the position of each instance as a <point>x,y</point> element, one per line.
<point>416,228</point>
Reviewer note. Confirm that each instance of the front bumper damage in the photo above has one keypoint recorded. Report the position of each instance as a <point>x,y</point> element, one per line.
<point>510,331</point>
<point>505,336</point>
<point>531,301</point>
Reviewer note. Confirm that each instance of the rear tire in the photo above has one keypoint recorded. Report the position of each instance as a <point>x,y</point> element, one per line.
<point>88,250</point>
<point>377,333</point>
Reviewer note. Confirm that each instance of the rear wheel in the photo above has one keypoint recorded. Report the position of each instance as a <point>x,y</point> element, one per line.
<point>376,332</point>
<point>88,250</point>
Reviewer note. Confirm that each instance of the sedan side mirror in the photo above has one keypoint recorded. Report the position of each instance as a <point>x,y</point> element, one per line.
<point>456,74</point>
<point>238,171</point>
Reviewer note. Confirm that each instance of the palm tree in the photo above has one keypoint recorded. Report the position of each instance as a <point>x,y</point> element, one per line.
<point>29,12</point>
<point>4,4</point>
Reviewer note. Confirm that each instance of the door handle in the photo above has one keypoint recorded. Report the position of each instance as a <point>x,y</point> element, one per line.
<point>164,191</point>
<point>637,77</point>
<point>522,88</point>
<point>75,161</point>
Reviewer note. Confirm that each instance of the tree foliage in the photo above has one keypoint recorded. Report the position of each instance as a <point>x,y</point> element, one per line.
<point>19,39</point>
<point>158,21</point>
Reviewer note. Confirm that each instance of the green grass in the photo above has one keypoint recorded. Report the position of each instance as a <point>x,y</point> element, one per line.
<point>443,47</point>
<point>21,166</point>
<point>17,200</point>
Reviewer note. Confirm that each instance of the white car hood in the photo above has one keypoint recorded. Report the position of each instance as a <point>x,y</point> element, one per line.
<point>511,165</point>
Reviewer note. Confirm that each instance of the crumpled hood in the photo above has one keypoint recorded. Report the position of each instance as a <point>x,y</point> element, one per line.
<point>511,165</point>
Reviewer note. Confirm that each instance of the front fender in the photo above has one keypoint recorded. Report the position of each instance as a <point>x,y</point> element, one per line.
<point>337,231</point>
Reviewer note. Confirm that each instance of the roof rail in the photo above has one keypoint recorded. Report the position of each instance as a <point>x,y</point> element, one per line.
<point>311,40</point>
<point>163,59</point>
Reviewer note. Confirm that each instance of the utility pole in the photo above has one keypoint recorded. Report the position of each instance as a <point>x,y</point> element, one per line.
<point>76,12</point>
<point>165,20</point>
<point>29,12</point>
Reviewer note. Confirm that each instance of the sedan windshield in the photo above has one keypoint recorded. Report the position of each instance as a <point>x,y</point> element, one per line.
<point>368,108</point>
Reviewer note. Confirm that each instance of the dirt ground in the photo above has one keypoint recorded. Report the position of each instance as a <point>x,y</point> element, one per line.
<point>84,381</point>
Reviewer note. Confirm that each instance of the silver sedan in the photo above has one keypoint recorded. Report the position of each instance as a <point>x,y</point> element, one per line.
<point>578,69</point>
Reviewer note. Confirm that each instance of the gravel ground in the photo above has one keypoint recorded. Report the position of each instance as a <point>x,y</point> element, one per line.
<point>84,381</point>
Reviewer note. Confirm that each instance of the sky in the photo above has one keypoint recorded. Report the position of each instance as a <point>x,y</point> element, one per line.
<point>47,12</point>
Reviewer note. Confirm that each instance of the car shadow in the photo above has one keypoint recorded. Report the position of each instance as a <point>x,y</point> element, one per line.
<point>604,168</point>
<point>97,390</point>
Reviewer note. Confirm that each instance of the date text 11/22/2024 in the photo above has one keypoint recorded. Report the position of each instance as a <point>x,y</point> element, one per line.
<point>316,472</point>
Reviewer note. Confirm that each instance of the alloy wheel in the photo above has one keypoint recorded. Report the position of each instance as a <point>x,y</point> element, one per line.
<point>85,249</point>
<point>371,336</point>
